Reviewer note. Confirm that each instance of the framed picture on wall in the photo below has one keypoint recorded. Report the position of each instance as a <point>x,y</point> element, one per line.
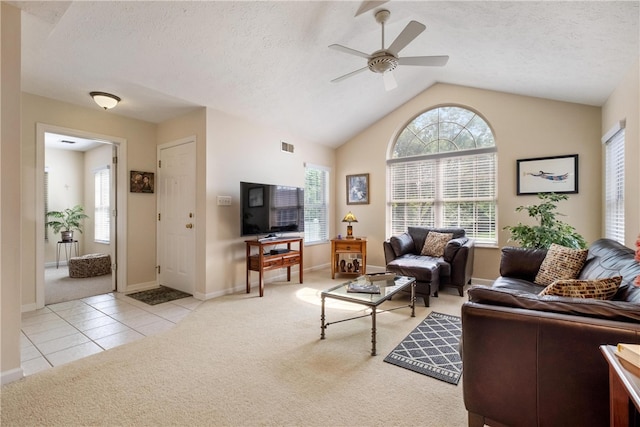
<point>557,174</point>
<point>141,182</point>
<point>358,189</point>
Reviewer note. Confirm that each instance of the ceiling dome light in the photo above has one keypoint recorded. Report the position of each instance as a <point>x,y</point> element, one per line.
<point>105,100</point>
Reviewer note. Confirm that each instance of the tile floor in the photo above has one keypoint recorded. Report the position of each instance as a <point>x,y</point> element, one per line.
<point>64,332</point>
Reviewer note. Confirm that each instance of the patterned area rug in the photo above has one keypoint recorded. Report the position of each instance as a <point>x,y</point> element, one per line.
<point>432,348</point>
<point>159,295</point>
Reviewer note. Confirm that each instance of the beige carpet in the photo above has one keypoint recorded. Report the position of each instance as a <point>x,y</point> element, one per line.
<point>242,360</point>
<point>59,287</point>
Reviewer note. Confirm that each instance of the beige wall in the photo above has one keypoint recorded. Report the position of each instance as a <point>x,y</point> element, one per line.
<point>623,104</point>
<point>524,127</point>
<point>10,210</point>
<point>141,143</point>
<point>66,189</point>
<point>238,150</point>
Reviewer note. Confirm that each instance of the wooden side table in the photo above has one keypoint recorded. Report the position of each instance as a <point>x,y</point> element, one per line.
<point>266,260</point>
<point>342,247</point>
<point>624,392</point>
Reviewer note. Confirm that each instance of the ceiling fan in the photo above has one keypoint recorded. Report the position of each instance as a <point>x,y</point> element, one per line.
<point>384,61</point>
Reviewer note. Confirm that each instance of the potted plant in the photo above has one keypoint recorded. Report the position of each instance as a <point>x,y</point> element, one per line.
<point>549,229</point>
<point>66,221</point>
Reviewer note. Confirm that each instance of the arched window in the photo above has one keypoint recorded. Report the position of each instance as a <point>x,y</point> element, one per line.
<point>443,174</point>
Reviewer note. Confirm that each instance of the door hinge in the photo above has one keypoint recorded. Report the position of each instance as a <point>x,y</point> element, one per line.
<point>114,160</point>
<point>159,163</point>
<point>158,267</point>
<point>158,217</point>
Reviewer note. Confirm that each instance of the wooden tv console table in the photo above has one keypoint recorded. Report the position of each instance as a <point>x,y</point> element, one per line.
<point>265,260</point>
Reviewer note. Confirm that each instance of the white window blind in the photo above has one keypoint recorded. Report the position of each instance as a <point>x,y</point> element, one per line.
<point>316,209</point>
<point>614,187</point>
<point>446,192</point>
<point>102,217</point>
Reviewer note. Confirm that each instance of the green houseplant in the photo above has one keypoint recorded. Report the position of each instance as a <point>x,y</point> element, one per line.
<point>549,229</point>
<point>66,221</point>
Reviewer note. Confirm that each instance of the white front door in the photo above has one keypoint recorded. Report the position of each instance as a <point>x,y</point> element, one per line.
<point>176,215</point>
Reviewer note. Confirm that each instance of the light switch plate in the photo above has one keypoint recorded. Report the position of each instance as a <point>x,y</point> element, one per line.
<point>224,200</point>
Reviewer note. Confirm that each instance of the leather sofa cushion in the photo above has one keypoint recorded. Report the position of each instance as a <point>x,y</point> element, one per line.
<point>607,310</point>
<point>420,267</point>
<point>402,244</point>
<point>521,263</point>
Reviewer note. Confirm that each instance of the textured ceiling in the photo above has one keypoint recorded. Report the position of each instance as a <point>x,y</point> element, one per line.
<point>269,61</point>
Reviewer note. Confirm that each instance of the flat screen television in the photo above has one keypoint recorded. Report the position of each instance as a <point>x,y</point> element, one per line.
<point>270,209</point>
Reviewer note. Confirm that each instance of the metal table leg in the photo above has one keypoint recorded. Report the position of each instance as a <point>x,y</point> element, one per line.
<point>322,325</point>
<point>373,331</point>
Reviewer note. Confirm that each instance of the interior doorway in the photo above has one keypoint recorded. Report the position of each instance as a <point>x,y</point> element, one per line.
<point>71,169</point>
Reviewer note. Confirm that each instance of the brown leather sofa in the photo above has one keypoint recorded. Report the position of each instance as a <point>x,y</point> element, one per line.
<point>532,360</point>
<point>454,268</point>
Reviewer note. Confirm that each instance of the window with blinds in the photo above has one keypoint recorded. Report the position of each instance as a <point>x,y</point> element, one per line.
<point>614,187</point>
<point>443,174</point>
<point>101,214</point>
<point>316,209</point>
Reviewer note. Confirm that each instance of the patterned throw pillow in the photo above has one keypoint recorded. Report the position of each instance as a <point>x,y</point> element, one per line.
<point>435,243</point>
<point>560,263</point>
<point>598,289</point>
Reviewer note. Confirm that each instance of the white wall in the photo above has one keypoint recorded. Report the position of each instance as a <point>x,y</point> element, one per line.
<point>624,104</point>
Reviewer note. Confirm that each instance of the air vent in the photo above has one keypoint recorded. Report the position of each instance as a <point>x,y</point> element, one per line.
<point>286,147</point>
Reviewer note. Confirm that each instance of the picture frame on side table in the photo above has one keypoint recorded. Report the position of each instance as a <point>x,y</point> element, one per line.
<point>358,189</point>
<point>558,174</point>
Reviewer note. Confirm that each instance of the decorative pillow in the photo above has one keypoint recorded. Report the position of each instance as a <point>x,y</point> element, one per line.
<point>560,263</point>
<point>435,243</point>
<point>604,288</point>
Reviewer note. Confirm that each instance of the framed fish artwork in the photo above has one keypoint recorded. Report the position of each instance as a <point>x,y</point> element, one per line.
<point>557,174</point>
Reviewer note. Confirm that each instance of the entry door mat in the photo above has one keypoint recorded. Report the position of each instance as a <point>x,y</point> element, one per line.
<point>158,295</point>
<point>432,348</point>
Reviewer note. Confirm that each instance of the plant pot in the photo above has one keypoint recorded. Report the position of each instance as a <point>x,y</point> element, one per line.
<point>67,236</point>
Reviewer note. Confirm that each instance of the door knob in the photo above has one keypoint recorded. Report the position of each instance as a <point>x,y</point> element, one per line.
<point>189,225</point>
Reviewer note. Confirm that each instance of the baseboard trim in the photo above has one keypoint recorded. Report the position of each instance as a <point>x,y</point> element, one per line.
<point>485,282</point>
<point>11,375</point>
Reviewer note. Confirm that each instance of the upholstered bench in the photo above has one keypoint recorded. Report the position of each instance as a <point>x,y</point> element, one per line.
<point>89,265</point>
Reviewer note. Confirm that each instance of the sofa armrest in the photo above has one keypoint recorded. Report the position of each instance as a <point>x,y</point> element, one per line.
<point>461,253</point>
<point>531,368</point>
<point>389,255</point>
<point>521,263</point>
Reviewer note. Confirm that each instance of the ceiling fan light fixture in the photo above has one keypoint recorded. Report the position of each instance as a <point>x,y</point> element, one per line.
<point>382,63</point>
<point>105,100</point>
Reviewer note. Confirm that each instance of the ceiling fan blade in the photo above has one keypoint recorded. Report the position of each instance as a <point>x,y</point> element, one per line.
<point>410,32</point>
<point>429,61</point>
<point>389,81</point>
<point>367,5</point>
<point>349,50</point>
<point>353,73</point>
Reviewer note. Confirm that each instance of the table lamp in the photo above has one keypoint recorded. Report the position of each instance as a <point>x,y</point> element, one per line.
<point>349,218</point>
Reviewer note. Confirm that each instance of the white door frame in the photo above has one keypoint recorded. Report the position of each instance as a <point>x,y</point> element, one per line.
<point>122,181</point>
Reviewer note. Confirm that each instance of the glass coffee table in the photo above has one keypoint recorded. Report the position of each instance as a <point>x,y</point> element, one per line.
<point>388,288</point>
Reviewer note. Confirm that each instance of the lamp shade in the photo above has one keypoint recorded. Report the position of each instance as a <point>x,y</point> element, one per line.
<point>349,218</point>
<point>105,100</point>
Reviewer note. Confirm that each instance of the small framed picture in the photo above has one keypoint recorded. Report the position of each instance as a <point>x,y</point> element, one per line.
<point>141,182</point>
<point>256,197</point>
<point>557,174</point>
<point>358,189</point>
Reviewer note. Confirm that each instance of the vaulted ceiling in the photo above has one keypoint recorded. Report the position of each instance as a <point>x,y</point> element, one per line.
<point>269,61</point>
